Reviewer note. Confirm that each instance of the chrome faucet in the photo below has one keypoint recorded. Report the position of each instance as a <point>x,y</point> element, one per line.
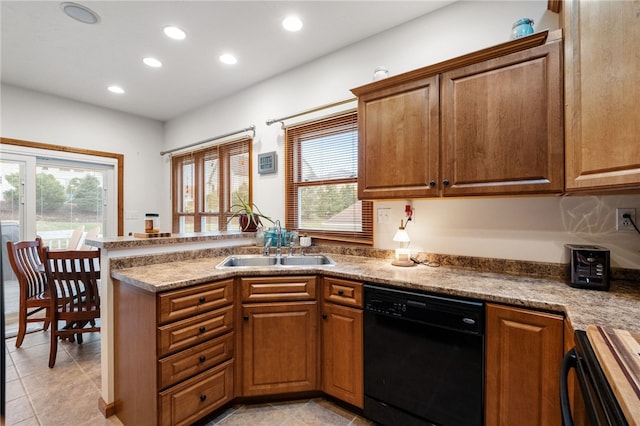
<point>278,238</point>
<point>267,244</point>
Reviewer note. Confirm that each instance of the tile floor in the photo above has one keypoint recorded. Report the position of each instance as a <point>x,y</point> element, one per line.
<point>67,395</point>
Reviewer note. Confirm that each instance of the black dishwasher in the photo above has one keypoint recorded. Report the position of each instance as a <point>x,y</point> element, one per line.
<point>423,358</point>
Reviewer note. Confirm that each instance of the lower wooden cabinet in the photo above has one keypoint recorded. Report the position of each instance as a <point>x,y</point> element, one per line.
<point>279,349</point>
<point>524,350</point>
<point>173,353</point>
<point>342,340</point>
<point>342,357</point>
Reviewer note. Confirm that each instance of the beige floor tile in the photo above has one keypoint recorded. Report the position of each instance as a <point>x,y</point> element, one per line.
<point>31,421</point>
<point>19,410</point>
<point>14,389</point>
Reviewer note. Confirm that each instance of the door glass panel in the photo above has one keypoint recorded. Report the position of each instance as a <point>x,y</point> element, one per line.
<point>69,204</point>
<point>12,193</point>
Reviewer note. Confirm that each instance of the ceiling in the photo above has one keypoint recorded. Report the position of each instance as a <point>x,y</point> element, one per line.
<point>45,50</point>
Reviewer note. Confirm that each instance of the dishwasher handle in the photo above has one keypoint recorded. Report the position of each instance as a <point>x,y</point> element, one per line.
<point>568,362</point>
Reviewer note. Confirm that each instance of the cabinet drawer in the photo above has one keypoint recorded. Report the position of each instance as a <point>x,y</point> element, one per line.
<point>343,292</point>
<point>191,400</point>
<point>192,361</point>
<point>180,304</point>
<point>270,289</point>
<point>183,334</point>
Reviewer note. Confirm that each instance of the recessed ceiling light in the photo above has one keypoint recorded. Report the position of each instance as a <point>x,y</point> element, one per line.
<point>116,89</point>
<point>228,58</point>
<point>292,23</point>
<point>175,33</point>
<point>152,62</point>
<point>80,13</point>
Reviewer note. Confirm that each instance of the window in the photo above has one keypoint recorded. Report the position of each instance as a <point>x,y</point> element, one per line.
<point>322,181</point>
<point>204,184</point>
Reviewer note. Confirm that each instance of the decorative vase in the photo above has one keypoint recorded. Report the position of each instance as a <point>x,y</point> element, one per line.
<point>249,225</point>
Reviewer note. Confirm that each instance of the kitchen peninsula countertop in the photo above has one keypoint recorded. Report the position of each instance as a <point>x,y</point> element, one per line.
<point>617,308</point>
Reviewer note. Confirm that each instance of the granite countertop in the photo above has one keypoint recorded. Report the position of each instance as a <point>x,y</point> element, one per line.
<point>617,308</point>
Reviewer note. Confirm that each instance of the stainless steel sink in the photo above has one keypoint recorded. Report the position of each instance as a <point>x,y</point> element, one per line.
<point>259,260</point>
<point>248,260</point>
<point>306,260</point>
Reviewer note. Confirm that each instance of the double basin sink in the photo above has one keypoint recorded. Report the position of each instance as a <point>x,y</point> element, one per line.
<point>258,260</point>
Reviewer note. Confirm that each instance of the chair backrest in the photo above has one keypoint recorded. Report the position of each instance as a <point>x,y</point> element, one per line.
<point>25,260</point>
<point>74,280</point>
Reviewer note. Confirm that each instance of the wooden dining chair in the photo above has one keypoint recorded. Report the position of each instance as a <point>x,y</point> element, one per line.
<point>24,257</point>
<point>74,279</point>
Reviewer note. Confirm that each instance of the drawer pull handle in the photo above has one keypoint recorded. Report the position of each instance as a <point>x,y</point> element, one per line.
<point>202,299</point>
<point>202,329</point>
<point>203,398</point>
<point>246,317</point>
<point>324,316</point>
<point>432,183</point>
<point>202,358</point>
<point>340,292</point>
<point>445,182</point>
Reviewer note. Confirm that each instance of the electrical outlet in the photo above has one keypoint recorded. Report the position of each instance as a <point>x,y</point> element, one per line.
<point>622,223</point>
<point>384,215</point>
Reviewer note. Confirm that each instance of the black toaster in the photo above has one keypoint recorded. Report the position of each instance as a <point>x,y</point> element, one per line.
<point>589,266</point>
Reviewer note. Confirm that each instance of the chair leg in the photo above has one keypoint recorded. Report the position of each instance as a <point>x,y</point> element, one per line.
<point>53,347</point>
<point>47,321</point>
<point>22,325</point>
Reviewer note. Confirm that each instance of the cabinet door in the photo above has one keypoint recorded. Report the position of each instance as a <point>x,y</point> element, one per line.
<point>279,348</point>
<point>342,356</point>
<point>398,141</point>
<point>602,93</point>
<point>502,125</point>
<point>524,350</point>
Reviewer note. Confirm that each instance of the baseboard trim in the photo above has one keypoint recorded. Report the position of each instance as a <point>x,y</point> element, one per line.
<point>107,410</point>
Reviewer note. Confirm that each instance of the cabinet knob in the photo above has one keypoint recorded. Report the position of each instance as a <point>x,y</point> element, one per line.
<point>340,292</point>
<point>202,299</point>
<point>202,358</point>
<point>432,183</point>
<point>324,316</point>
<point>445,182</point>
<point>246,317</point>
<point>203,398</point>
<point>202,329</point>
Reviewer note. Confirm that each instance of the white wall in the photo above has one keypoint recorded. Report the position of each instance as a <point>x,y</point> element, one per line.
<point>36,117</point>
<point>528,228</point>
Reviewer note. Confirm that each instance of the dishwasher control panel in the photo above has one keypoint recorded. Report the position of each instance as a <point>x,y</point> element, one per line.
<point>435,310</point>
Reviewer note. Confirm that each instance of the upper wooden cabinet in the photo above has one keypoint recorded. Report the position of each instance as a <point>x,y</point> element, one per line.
<point>398,133</point>
<point>502,125</point>
<point>602,95</point>
<point>486,123</point>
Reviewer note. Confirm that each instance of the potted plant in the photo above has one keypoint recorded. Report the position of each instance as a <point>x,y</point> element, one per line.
<point>248,214</point>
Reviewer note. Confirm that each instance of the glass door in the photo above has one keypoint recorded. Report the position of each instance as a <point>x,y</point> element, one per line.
<point>64,201</point>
